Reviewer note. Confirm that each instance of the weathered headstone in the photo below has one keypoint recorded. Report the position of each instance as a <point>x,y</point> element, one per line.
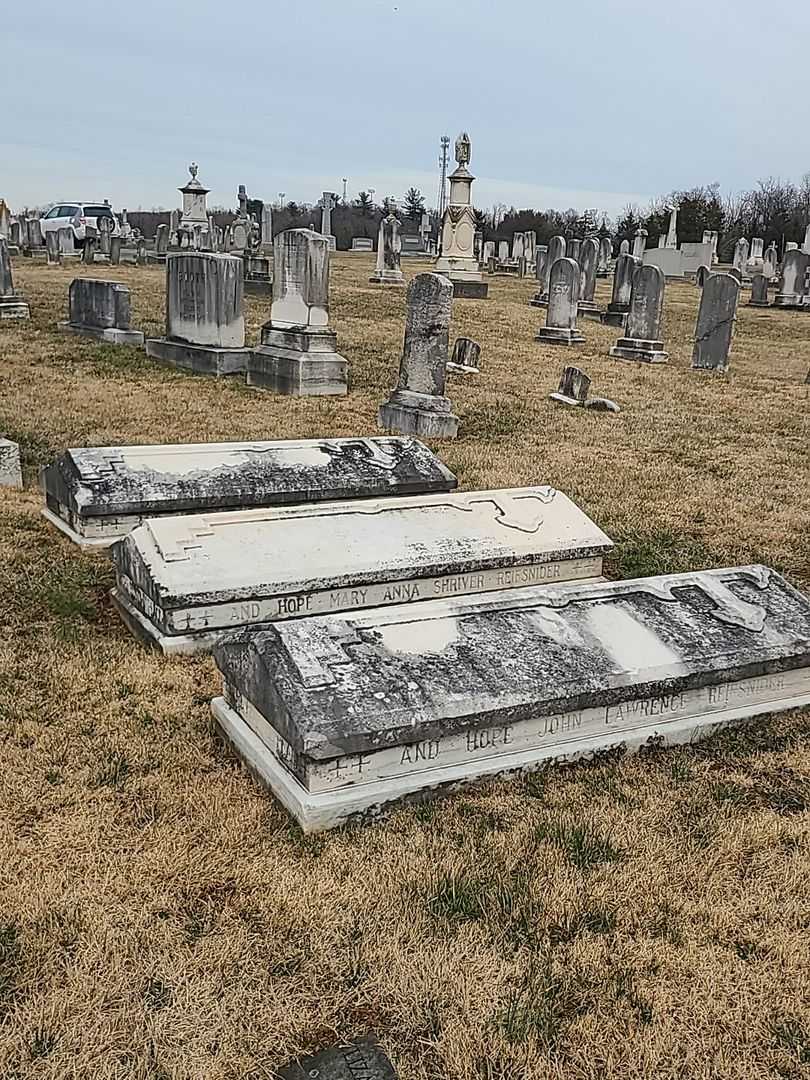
<point>701,274</point>
<point>343,717</point>
<point>792,288</point>
<point>418,405</point>
<point>736,273</point>
<point>66,244</point>
<point>162,240</point>
<point>187,580</point>
<point>715,322</point>
<point>588,263</point>
<point>741,256</point>
<point>267,228</point>
<point>205,324</point>
<point>53,254</point>
<point>5,219</point>
<point>759,292</point>
<point>101,310</point>
<point>563,298</point>
<point>605,255</point>
<point>89,249</point>
<point>624,247</point>
<point>115,250</point>
<point>573,249</point>
<point>642,335</point>
<point>389,249</point>
<point>105,229</point>
<point>770,261</point>
<point>10,468</point>
<point>556,250</point>
<point>466,357</point>
<point>258,278</point>
<point>361,1059</point>
<point>791,245</point>
<point>755,257</point>
<point>457,260</point>
<point>297,353</point>
<point>98,494</point>
<point>573,390</point>
<point>517,246</point>
<point>15,234</point>
<point>503,251</point>
<point>619,305</point>
<point>141,257</point>
<point>12,305</point>
<point>640,243</point>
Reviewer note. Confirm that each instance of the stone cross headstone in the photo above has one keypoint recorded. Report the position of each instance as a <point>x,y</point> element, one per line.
<point>54,255</point>
<point>389,247</point>
<point>624,247</point>
<point>12,305</point>
<point>642,335</point>
<point>466,357</point>
<point>563,300</point>
<point>759,291</point>
<point>792,288</point>
<point>297,353</point>
<point>640,243</point>
<point>418,405</point>
<point>588,264</point>
<point>715,322</point>
<point>619,305</point>
<point>101,310</point>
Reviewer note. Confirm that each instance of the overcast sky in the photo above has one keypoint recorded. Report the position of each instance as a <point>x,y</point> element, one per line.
<point>585,103</point>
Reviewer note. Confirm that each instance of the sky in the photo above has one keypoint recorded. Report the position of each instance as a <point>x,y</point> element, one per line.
<point>584,104</point>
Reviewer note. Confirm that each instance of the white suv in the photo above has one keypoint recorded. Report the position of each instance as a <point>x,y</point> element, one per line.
<point>77,216</point>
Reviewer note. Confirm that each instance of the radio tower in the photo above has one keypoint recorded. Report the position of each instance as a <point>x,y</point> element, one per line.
<point>443,181</point>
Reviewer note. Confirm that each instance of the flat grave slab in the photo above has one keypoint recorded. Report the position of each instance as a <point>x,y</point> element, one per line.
<point>98,494</point>
<point>341,716</point>
<point>182,581</point>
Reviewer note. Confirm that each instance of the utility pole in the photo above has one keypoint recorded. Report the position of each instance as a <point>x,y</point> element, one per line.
<point>442,206</point>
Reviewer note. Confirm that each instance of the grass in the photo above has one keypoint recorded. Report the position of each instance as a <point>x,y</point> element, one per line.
<point>159,914</point>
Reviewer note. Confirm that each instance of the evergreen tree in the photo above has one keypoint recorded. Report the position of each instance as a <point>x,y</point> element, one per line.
<point>364,204</point>
<point>414,204</point>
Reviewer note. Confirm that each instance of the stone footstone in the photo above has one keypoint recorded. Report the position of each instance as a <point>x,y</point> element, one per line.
<point>297,354</point>
<point>561,314</point>
<point>418,406</point>
<point>344,716</point>
<point>466,357</point>
<point>101,310</point>
<point>205,324</point>
<point>642,343</point>
<point>10,467</point>
<point>360,1059</point>
<point>181,582</point>
<point>96,495</point>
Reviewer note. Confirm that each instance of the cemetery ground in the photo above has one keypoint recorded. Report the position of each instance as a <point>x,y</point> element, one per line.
<point>160,915</point>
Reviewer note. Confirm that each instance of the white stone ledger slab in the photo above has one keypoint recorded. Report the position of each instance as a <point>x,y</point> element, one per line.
<point>342,715</point>
<point>98,494</point>
<point>182,581</point>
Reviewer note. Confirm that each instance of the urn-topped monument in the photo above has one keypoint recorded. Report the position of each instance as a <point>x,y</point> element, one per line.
<point>195,213</point>
<point>457,260</point>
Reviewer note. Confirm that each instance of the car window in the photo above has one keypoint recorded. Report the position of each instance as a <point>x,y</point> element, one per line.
<point>53,212</point>
<point>69,210</point>
<point>97,211</point>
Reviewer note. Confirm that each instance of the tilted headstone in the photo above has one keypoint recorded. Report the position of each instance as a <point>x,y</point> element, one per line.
<point>792,290</point>
<point>642,334</point>
<point>617,309</point>
<point>101,310</point>
<point>418,405</point>
<point>466,357</point>
<point>759,292</point>
<point>573,249</point>
<point>389,249</point>
<point>715,322</point>
<point>115,250</point>
<point>297,353</point>
<point>343,717</point>
<point>556,250</point>
<point>588,264</point>
<point>98,494</point>
<point>205,323</point>
<point>10,467</point>
<point>187,580</point>
<point>624,247</point>
<point>573,390</point>
<point>361,1059</point>
<point>640,243</point>
<point>563,300</point>
<point>53,254</point>
<point>12,305</point>
<point>701,274</point>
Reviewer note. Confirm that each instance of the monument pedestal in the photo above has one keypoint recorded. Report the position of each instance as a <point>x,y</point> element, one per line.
<point>298,362</point>
<point>589,309</point>
<point>201,359</point>
<point>470,290</point>
<point>387,277</point>
<point>540,300</point>
<point>648,352</point>
<point>615,315</point>
<point>555,335</point>
<point>112,335</point>
<point>14,307</point>
<point>428,415</point>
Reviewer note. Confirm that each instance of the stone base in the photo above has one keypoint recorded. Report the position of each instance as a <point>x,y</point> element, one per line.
<point>758,303</point>
<point>145,631</point>
<point>14,307</point>
<point>791,301</point>
<point>552,335</point>
<point>640,350</point>
<point>10,467</point>
<point>300,375</point>
<point>470,290</point>
<point>425,415</point>
<point>539,300</point>
<point>460,369</point>
<point>258,288</point>
<point>387,277</point>
<point>85,542</point>
<point>589,309</point>
<point>201,359</point>
<point>112,335</point>
<point>614,316</point>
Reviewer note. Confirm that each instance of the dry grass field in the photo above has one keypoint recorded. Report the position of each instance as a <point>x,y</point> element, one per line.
<point>161,918</point>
